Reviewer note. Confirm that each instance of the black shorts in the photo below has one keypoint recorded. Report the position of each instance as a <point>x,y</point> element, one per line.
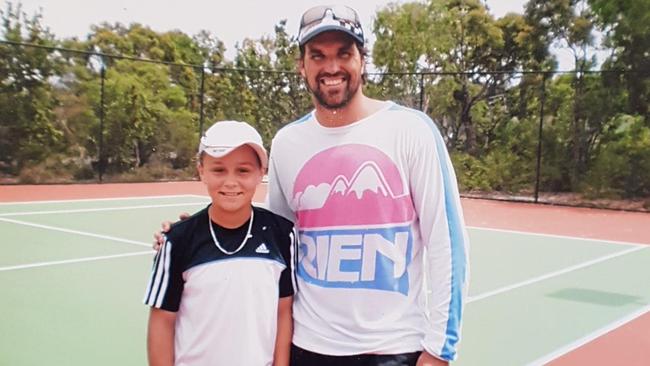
<point>302,357</point>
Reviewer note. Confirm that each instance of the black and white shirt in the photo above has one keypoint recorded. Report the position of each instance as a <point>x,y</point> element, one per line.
<point>226,304</point>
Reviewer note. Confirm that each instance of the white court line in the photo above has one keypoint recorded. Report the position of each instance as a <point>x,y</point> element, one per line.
<point>78,260</point>
<point>27,213</point>
<point>199,196</point>
<point>558,236</point>
<point>97,199</point>
<point>69,231</point>
<point>589,337</point>
<point>206,197</point>
<point>471,299</point>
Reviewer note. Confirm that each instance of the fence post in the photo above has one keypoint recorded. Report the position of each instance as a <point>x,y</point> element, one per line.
<point>422,92</point>
<point>201,96</point>
<point>539,137</point>
<point>101,124</point>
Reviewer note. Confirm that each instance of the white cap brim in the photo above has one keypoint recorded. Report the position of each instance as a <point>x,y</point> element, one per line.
<point>221,151</point>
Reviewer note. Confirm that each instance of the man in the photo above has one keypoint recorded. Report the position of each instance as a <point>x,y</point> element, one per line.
<point>382,260</point>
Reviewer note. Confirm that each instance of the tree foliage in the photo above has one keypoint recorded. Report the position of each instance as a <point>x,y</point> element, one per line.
<point>144,108</point>
<point>627,34</point>
<point>269,101</point>
<point>474,55</point>
<point>27,121</point>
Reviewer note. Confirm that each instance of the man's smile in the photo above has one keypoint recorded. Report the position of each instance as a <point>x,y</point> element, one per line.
<point>332,81</point>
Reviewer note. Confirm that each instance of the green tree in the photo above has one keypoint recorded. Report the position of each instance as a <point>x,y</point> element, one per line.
<point>404,34</point>
<point>470,53</point>
<point>569,24</point>
<point>142,96</point>
<point>269,100</point>
<point>483,108</point>
<point>28,132</point>
<point>627,34</point>
<point>175,47</point>
<point>145,115</point>
<point>622,164</point>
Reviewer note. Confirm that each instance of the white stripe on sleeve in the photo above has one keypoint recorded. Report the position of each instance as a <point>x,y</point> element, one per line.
<point>156,275</point>
<point>165,282</point>
<point>147,292</point>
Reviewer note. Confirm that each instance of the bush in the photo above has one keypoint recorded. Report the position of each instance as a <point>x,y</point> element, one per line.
<point>53,169</point>
<point>499,170</point>
<point>470,172</point>
<point>622,165</point>
<point>84,173</point>
<point>507,172</point>
<point>154,171</point>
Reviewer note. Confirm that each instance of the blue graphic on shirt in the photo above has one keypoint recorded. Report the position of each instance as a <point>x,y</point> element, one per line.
<point>357,258</point>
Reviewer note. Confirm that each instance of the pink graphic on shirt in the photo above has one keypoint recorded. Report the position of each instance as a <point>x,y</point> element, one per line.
<point>350,185</point>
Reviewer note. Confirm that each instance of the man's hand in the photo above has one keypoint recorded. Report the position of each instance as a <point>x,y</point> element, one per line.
<point>427,359</point>
<point>158,239</point>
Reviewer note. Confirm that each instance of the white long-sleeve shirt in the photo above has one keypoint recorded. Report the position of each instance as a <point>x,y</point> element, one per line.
<point>382,260</point>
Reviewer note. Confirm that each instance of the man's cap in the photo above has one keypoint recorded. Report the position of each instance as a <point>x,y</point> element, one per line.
<point>225,136</point>
<point>326,18</point>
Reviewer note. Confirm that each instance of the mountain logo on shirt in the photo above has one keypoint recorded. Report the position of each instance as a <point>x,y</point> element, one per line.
<point>368,177</point>
<point>354,212</point>
<point>351,185</point>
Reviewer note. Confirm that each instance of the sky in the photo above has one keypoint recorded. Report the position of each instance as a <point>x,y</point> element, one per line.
<point>231,21</point>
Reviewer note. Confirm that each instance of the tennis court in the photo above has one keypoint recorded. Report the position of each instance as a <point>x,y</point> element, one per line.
<point>73,272</point>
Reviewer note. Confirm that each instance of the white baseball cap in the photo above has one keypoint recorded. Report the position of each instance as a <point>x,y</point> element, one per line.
<point>225,136</point>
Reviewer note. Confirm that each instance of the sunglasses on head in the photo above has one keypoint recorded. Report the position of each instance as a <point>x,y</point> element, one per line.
<point>339,12</point>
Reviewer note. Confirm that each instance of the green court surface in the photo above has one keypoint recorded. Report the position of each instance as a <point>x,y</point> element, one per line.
<point>73,275</point>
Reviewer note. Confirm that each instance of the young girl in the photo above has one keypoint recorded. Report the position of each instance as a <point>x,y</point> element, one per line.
<point>221,286</point>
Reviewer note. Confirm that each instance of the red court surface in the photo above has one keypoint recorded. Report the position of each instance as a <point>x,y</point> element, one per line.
<point>109,190</point>
<point>628,344</point>
<point>633,227</point>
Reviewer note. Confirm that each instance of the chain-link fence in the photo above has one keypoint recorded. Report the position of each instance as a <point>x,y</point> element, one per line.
<point>71,116</point>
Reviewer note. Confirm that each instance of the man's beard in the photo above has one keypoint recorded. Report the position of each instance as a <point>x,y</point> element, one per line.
<point>321,97</point>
